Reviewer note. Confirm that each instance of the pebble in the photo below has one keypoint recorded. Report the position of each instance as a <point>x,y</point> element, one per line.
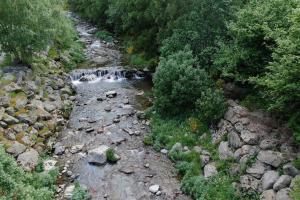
<point>154,188</point>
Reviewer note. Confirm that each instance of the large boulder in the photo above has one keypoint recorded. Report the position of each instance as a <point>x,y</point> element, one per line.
<point>289,169</point>
<point>269,157</point>
<point>28,160</point>
<point>16,149</point>
<point>98,156</point>
<point>268,179</point>
<point>224,151</point>
<point>257,169</point>
<point>283,182</point>
<point>283,194</point>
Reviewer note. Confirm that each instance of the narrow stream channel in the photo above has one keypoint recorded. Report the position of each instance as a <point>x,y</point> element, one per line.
<point>98,120</point>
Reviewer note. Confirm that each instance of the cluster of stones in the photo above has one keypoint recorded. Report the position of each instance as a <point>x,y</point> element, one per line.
<point>261,148</point>
<point>33,109</point>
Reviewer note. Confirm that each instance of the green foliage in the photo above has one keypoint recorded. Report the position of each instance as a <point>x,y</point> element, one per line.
<point>30,26</point>
<point>178,83</point>
<point>17,184</point>
<point>295,193</point>
<point>80,193</point>
<point>218,187</point>
<point>296,162</point>
<point>111,156</point>
<point>211,105</point>
<point>104,35</point>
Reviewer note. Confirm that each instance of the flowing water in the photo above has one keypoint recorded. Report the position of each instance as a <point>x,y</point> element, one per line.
<point>91,125</point>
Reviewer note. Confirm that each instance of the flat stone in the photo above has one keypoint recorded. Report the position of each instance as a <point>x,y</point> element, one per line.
<point>89,130</point>
<point>127,170</point>
<point>268,179</point>
<point>270,157</point>
<point>283,182</point>
<point>164,151</point>
<point>9,120</point>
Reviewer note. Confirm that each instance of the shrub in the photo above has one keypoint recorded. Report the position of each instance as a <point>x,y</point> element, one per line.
<point>211,106</point>
<point>178,83</point>
<point>111,156</point>
<point>80,193</point>
<point>17,184</point>
<point>295,193</point>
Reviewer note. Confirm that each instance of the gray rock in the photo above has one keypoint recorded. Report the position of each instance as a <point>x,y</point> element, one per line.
<point>249,182</point>
<point>59,149</point>
<point>267,144</point>
<point>204,159</point>
<point>107,108</point>
<point>177,147</point>
<point>9,120</point>
<point>49,165</point>
<point>16,149</point>
<point>76,148</point>
<point>234,140</point>
<point>2,112</point>
<point>283,182</point>
<point>224,151</point>
<point>13,87</point>
<point>154,189</point>
<point>98,156</point>
<point>283,194</point>
<point>89,77</point>
<point>289,169</point>
<point>210,170</point>
<point>141,115</point>
<point>268,179</point>
<point>268,195</point>
<point>28,160</point>
<point>270,157</point>
<point>257,169</point>
<point>249,137</point>
<point>4,101</point>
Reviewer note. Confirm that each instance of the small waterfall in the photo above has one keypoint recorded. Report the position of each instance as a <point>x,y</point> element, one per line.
<point>108,75</point>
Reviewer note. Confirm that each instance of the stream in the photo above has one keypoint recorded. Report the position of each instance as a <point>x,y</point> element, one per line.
<point>116,122</point>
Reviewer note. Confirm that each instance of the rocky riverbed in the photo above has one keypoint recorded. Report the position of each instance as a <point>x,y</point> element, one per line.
<point>108,114</point>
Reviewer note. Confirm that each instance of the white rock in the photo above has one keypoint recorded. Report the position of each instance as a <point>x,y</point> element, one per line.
<point>69,192</point>
<point>164,151</point>
<point>49,165</point>
<point>154,188</point>
<point>210,170</point>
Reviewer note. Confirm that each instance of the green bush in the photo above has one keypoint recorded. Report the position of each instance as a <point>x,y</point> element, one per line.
<point>178,83</point>
<point>17,184</point>
<point>111,156</point>
<point>211,106</point>
<point>80,193</point>
<point>295,193</point>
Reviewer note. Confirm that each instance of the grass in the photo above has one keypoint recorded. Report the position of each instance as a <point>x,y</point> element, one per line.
<point>80,193</point>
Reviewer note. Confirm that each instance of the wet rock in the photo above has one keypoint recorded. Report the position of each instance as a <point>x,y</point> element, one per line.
<point>28,160</point>
<point>289,169</point>
<point>89,130</point>
<point>76,148</point>
<point>249,137</point>
<point>111,94</point>
<point>125,101</point>
<point>154,189</point>
<point>283,194</point>
<point>16,149</point>
<point>49,165</point>
<point>283,182</point>
<point>107,108</point>
<point>268,179</point>
<point>98,156</point>
<point>224,151</point>
<point>270,157</point>
<point>210,170</point>
<point>86,78</point>
<point>268,195</point>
